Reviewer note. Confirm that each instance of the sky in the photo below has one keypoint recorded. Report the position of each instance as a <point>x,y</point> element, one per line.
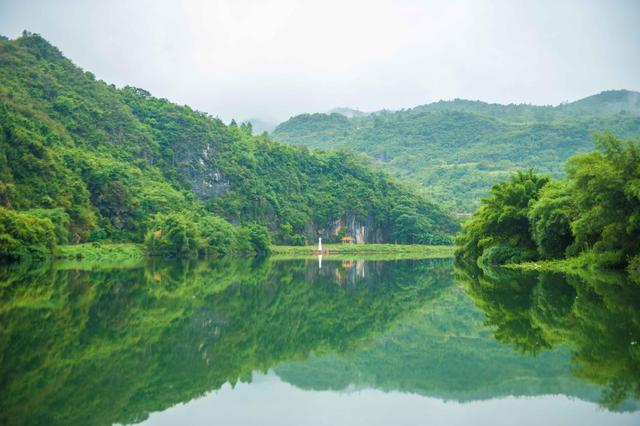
<point>271,59</point>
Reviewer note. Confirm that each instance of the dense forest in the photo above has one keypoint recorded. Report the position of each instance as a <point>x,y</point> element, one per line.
<point>82,160</point>
<point>594,213</point>
<point>457,150</point>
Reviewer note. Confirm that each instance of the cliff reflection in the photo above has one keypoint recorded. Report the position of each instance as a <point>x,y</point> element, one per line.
<point>100,347</point>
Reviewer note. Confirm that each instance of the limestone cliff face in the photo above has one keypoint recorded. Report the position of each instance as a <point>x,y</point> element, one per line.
<point>195,161</point>
<point>362,231</point>
<point>197,167</point>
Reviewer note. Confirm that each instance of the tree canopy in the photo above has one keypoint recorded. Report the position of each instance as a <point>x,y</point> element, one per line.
<point>595,210</point>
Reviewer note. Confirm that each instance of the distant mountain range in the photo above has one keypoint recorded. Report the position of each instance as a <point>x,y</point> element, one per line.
<point>456,150</point>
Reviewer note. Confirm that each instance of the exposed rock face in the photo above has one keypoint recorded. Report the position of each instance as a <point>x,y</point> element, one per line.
<point>362,231</point>
<point>195,160</point>
<point>199,170</point>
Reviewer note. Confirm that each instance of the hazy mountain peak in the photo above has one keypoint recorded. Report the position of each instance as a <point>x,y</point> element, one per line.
<point>348,112</point>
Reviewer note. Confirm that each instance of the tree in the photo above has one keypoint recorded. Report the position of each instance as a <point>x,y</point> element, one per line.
<point>24,236</point>
<point>499,231</point>
<point>551,218</point>
<point>171,235</point>
<point>259,238</point>
<point>217,236</point>
<point>606,188</point>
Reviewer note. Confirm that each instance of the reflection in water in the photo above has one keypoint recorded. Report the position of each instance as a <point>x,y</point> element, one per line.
<point>111,346</point>
<point>100,347</point>
<point>596,316</point>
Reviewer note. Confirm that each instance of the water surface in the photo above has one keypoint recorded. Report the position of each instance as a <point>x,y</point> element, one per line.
<point>293,342</point>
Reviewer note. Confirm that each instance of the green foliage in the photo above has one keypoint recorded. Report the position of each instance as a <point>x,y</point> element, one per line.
<point>217,236</point>
<point>596,209</point>
<point>24,236</point>
<point>596,316</point>
<point>606,189</point>
<point>185,234</point>
<point>114,345</point>
<point>634,267</point>
<point>60,220</point>
<point>113,158</point>
<point>171,235</point>
<point>551,218</point>
<point>499,231</point>
<point>457,150</point>
<point>94,256</point>
<point>286,236</point>
<point>258,237</point>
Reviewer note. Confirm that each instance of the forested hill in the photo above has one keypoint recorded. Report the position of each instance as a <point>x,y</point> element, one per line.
<point>107,159</point>
<point>458,149</point>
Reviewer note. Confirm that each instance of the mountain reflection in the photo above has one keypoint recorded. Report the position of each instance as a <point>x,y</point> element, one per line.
<point>111,346</point>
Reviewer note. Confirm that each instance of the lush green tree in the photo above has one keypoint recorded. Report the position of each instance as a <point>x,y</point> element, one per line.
<point>595,210</point>
<point>551,218</point>
<point>60,220</point>
<point>258,238</point>
<point>217,236</point>
<point>606,189</point>
<point>499,231</point>
<point>171,235</point>
<point>24,236</point>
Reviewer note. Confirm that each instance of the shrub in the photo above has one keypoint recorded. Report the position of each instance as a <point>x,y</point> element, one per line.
<point>171,235</point>
<point>502,254</point>
<point>258,238</point>
<point>24,236</point>
<point>217,236</point>
<point>60,220</point>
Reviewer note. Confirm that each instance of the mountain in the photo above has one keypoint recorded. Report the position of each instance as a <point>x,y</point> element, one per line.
<point>458,149</point>
<point>348,112</point>
<point>109,158</point>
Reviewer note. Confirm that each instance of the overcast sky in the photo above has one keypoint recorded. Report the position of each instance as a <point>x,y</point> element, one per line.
<point>273,59</point>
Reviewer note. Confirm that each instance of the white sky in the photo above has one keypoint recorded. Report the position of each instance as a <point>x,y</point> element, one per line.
<point>271,59</point>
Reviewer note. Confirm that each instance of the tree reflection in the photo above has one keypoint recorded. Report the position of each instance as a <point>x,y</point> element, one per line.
<point>596,315</point>
<point>98,347</point>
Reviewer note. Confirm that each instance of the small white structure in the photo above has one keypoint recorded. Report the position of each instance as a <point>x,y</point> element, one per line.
<point>320,244</point>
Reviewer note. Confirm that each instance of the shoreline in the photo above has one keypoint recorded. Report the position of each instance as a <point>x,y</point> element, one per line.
<point>119,253</point>
<point>347,249</point>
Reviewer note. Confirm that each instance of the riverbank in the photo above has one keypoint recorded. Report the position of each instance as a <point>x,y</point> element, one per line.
<point>586,262</point>
<point>99,251</point>
<point>110,255</point>
<point>342,249</point>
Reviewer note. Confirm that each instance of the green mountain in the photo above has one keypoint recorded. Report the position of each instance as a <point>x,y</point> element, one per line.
<point>457,150</point>
<point>109,158</point>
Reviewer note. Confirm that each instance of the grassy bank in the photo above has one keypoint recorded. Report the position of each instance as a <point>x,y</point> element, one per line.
<point>586,262</point>
<point>100,255</point>
<point>96,255</point>
<point>368,249</point>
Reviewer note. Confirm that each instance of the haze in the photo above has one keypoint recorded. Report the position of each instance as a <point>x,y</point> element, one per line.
<point>273,59</point>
